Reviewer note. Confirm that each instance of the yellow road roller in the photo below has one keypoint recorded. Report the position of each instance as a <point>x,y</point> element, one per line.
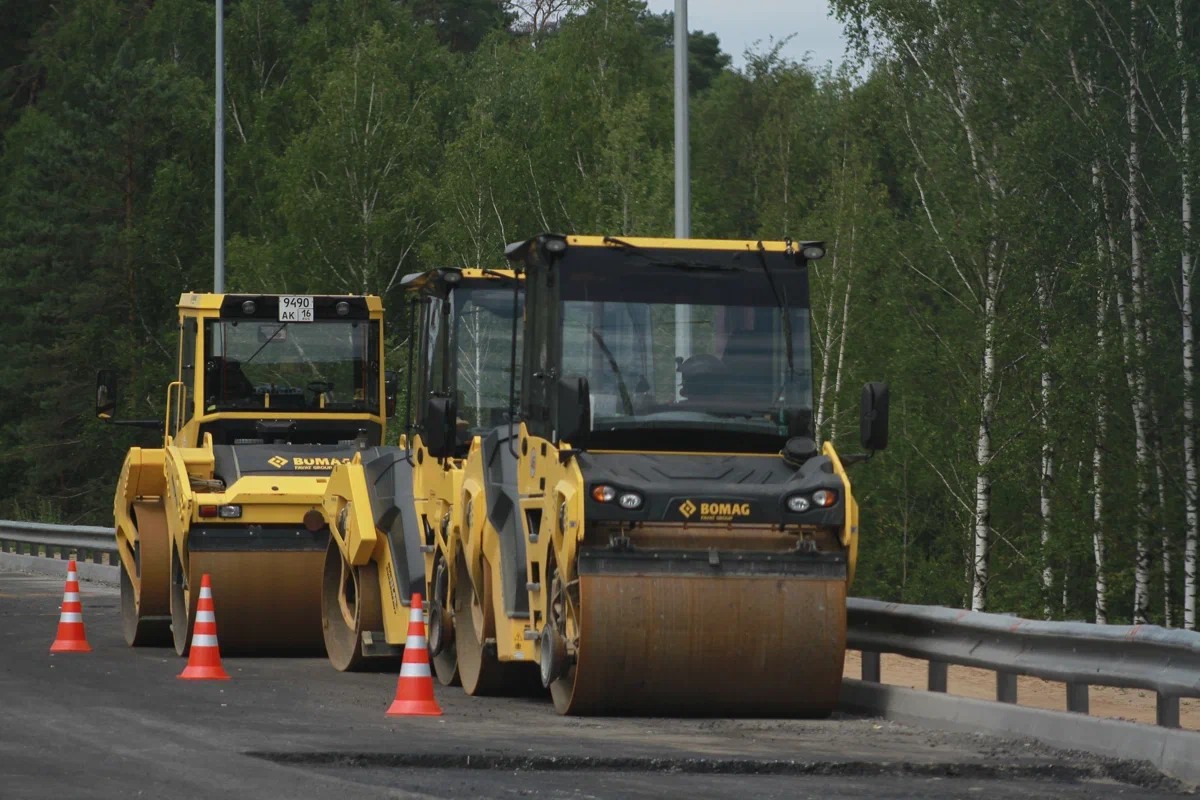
<point>271,392</point>
<point>658,532</point>
<point>390,510</point>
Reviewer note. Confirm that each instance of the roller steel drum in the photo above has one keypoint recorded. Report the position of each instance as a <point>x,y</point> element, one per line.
<point>267,602</point>
<point>769,646</point>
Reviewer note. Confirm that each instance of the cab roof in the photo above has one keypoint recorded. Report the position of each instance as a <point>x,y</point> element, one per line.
<point>517,250</point>
<point>208,301</point>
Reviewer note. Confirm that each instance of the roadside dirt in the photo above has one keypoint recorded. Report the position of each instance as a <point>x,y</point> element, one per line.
<point>1133,705</point>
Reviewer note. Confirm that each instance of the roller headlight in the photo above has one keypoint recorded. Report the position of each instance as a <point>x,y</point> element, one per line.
<point>824,498</point>
<point>630,501</point>
<point>604,494</point>
<point>798,503</point>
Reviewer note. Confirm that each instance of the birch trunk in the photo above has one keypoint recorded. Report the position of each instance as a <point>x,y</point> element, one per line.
<point>1141,595</point>
<point>1185,269</point>
<point>1047,476</point>
<point>829,323</point>
<point>1098,543</point>
<point>983,450</point>
<point>837,382</point>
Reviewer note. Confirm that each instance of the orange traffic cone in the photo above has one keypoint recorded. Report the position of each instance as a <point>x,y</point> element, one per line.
<point>414,690</point>
<point>71,638</point>
<point>204,659</point>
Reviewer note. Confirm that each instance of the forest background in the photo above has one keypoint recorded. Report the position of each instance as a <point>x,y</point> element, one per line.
<point>1005,189</point>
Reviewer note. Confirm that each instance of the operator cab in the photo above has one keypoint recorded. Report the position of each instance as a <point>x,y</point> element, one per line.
<point>274,369</point>
<point>684,347</point>
<point>465,356</point>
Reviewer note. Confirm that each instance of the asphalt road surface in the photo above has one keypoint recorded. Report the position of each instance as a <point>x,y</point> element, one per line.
<point>117,723</point>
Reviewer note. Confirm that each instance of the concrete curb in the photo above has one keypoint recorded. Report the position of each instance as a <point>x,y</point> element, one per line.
<point>101,573</point>
<point>1175,752</point>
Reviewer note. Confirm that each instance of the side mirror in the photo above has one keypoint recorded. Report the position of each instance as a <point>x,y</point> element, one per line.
<point>441,427</point>
<point>391,378</point>
<point>873,428</point>
<point>574,420</point>
<point>106,394</point>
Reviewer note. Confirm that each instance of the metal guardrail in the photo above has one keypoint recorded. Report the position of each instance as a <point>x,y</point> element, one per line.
<point>1079,654</point>
<point>34,538</point>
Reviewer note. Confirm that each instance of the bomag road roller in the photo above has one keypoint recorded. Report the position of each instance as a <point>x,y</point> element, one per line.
<point>658,531</point>
<point>390,510</point>
<point>271,391</point>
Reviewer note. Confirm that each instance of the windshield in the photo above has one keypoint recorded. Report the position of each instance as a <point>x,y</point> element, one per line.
<point>325,365</point>
<point>483,330</point>
<point>665,347</point>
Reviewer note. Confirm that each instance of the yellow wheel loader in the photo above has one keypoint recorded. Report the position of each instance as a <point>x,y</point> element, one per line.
<point>270,393</point>
<point>391,510</point>
<point>659,532</point>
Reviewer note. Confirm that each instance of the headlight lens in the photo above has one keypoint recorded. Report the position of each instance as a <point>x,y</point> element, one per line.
<point>824,498</point>
<point>604,494</point>
<point>630,501</point>
<point>798,503</point>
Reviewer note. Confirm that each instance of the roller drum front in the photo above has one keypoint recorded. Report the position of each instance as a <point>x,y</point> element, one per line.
<point>266,588</point>
<point>713,646</point>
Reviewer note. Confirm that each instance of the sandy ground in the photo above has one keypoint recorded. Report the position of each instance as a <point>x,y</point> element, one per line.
<point>1134,705</point>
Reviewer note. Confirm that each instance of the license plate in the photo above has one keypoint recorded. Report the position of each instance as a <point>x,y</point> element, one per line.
<point>295,308</point>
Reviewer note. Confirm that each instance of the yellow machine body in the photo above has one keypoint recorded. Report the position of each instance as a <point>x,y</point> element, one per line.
<point>244,467</point>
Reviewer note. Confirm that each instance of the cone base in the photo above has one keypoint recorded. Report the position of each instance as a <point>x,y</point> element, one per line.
<point>60,646</point>
<point>414,708</point>
<point>203,674</point>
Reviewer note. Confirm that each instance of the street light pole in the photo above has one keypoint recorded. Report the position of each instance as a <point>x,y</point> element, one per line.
<point>683,191</point>
<point>219,177</point>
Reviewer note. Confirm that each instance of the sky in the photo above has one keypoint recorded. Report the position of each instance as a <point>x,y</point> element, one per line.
<point>739,23</point>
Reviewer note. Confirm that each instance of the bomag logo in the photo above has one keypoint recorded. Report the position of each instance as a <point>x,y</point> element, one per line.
<point>714,512</point>
<point>724,509</point>
<point>279,462</point>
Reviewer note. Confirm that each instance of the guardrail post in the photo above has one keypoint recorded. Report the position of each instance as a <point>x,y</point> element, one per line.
<point>1167,711</point>
<point>1006,687</point>
<point>871,670</point>
<point>939,675</point>
<point>1077,697</point>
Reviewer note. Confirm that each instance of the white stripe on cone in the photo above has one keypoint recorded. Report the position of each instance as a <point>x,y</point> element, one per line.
<point>204,640</point>
<point>417,642</point>
<point>415,671</point>
<point>205,593</point>
<point>70,616</point>
<point>205,616</point>
<point>70,597</point>
<point>72,576</point>
<point>416,615</point>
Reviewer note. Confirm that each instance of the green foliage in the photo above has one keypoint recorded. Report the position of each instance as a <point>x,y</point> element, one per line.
<point>366,139</point>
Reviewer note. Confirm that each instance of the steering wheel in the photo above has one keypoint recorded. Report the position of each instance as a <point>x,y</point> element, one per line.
<point>319,388</point>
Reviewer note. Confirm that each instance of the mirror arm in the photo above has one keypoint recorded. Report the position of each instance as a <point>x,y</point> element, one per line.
<point>850,459</point>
